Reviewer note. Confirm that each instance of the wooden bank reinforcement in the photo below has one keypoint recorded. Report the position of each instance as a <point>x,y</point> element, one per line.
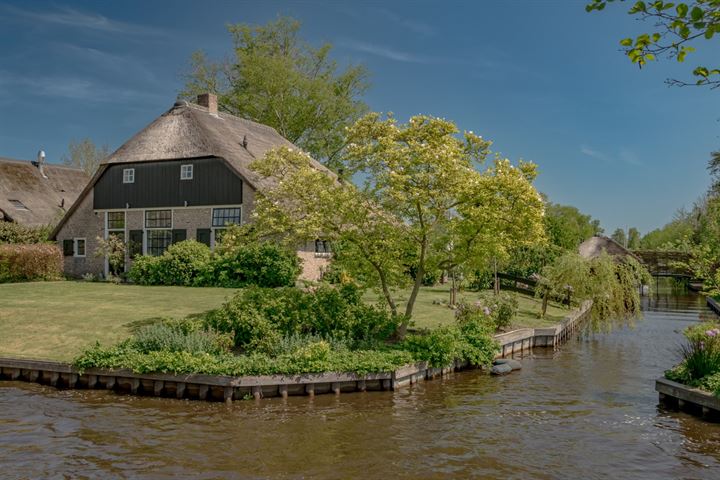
<point>677,396</point>
<point>226,388</point>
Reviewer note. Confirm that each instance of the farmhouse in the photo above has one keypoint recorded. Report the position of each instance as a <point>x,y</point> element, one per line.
<point>37,193</point>
<point>185,176</point>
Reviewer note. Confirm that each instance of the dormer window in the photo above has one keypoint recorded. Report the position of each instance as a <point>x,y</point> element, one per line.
<point>186,172</point>
<point>128,175</point>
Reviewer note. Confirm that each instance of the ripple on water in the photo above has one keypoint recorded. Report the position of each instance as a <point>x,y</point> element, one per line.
<point>586,411</point>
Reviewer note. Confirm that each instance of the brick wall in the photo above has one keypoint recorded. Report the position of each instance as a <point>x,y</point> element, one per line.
<point>84,223</point>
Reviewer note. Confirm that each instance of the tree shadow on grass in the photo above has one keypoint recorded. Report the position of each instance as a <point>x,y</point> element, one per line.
<point>136,325</point>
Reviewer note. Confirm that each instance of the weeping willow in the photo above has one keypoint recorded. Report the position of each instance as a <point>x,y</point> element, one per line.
<point>614,285</point>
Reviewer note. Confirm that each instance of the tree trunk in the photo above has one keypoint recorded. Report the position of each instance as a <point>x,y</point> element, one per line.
<point>402,329</point>
<point>453,289</point>
<point>386,291</point>
<point>544,303</point>
<point>496,286</point>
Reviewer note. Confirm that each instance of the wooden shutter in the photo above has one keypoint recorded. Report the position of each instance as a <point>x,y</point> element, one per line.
<point>136,243</point>
<point>203,236</point>
<point>68,248</point>
<point>178,235</point>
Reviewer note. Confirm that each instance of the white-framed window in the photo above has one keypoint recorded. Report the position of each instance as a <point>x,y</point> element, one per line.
<point>158,231</point>
<point>221,219</point>
<point>158,218</point>
<point>128,175</point>
<point>79,247</point>
<point>186,172</point>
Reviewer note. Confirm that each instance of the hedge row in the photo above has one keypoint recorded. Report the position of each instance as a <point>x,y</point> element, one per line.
<point>11,232</point>
<point>23,263</point>
<point>191,263</point>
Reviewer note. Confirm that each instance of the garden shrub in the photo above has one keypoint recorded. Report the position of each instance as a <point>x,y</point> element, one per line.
<point>259,317</point>
<point>23,263</point>
<point>314,359</point>
<point>439,347</point>
<point>183,263</point>
<point>146,270</point>
<point>191,263</point>
<point>169,337</point>
<point>15,233</point>
<point>496,310</point>
<point>263,264</point>
<point>700,366</point>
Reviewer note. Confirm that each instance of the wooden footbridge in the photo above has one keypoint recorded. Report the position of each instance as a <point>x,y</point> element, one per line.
<point>665,263</point>
<point>659,263</point>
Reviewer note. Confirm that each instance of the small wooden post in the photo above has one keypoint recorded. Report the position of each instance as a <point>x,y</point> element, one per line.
<point>228,395</point>
<point>180,390</point>
<point>134,385</point>
<point>54,377</point>
<point>110,383</point>
<point>202,392</point>
<point>72,380</point>
<point>361,385</point>
<point>310,389</point>
<point>335,388</point>
<point>283,391</point>
<point>92,381</point>
<point>257,392</point>
<point>158,386</point>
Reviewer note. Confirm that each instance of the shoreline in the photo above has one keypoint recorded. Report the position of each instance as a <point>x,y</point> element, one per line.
<point>677,396</point>
<point>227,388</point>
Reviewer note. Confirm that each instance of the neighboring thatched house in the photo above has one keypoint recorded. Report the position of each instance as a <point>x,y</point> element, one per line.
<point>37,193</point>
<point>185,176</point>
<point>594,246</point>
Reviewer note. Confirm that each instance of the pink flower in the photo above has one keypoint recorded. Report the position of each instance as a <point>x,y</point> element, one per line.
<point>486,310</point>
<point>711,333</point>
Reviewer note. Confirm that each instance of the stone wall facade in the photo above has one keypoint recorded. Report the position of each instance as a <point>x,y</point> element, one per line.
<point>90,224</point>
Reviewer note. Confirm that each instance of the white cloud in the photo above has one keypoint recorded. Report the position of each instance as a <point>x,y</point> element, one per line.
<point>384,52</point>
<point>624,156</point>
<point>68,17</point>
<point>74,88</point>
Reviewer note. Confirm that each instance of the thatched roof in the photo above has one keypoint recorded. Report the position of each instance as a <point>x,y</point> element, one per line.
<point>28,198</point>
<point>188,130</point>
<point>594,246</point>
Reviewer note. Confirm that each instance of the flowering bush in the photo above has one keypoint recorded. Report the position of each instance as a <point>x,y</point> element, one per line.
<point>700,366</point>
<point>24,263</point>
<point>496,310</point>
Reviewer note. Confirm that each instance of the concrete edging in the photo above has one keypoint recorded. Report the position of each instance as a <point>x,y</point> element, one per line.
<point>692,400</point>
<point>227,388</point>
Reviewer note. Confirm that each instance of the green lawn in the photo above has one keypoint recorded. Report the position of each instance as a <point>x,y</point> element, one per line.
<point>56,320</point>
<point>429,315</point>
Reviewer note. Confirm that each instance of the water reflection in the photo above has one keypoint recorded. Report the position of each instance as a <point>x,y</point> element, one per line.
<point>588,410</point>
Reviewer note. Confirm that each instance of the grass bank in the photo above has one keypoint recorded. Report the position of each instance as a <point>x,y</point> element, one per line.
<point>431,308</point>
<point>56,320</point>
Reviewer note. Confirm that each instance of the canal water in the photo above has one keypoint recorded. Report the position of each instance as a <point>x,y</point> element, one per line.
<point>586,411</point>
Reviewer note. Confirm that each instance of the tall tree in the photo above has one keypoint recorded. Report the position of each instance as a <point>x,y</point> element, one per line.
<point>567,227</point>
<point>421,198</point>
<point>633,238</point>
<point>277,79</point>
<point>85,154</point>
<point>675,26</point>
<point>619,236</point>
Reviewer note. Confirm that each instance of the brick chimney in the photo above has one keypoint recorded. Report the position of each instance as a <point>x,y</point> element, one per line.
<point>208,100</point>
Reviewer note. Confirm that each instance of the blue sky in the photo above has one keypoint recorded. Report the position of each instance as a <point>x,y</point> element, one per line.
<point>543,79</point>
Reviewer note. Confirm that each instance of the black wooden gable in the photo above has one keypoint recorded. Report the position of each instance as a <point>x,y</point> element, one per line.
<point>158,184</point>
